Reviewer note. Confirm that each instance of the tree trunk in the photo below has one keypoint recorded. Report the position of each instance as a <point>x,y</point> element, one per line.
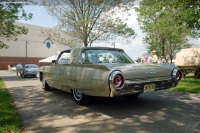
<point>163,48</point>
<point>171,58</point>
<point>85,43</point>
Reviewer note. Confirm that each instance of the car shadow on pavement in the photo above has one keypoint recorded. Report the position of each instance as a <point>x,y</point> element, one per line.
<point>148,112</point>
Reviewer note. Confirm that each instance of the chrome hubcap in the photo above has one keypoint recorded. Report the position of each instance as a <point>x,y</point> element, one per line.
<point>77,94</point>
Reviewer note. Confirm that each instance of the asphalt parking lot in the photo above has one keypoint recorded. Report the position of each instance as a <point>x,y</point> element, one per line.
<point>55,110</point>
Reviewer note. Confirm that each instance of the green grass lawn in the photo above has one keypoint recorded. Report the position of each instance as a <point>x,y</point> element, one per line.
<point>188,84</point>
<point>10,121</point>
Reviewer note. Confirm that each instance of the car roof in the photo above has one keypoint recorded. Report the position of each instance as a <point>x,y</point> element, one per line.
<point>102,48</point>
<point>94,48</point>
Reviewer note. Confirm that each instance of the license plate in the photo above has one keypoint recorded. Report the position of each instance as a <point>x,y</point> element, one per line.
<point>149,87</point>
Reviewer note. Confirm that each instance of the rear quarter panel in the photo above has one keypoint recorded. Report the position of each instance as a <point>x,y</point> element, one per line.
<point>91,80</point>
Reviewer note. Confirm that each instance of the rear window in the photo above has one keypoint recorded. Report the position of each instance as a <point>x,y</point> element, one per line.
<point>32,66</point>
<point>104,56</point>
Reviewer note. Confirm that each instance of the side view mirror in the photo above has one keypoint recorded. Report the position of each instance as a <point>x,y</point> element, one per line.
<point>53,61</point>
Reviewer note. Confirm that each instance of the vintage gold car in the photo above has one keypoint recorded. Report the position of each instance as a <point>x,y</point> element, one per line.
<point>105,72</point>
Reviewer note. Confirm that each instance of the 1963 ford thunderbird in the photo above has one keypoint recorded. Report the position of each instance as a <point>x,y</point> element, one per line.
<point>105,72</point>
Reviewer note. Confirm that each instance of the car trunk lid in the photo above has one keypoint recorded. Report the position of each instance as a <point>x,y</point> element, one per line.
<point>139,71</point>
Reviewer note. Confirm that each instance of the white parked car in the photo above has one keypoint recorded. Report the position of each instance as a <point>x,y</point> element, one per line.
<point>30,70</point>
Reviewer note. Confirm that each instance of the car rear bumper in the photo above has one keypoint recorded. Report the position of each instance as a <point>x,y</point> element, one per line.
<point>133,87</point>
<point>31,73</point>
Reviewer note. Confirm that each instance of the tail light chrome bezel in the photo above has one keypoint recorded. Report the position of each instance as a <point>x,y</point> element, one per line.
<point>177,75</point>
<point>117,80</point>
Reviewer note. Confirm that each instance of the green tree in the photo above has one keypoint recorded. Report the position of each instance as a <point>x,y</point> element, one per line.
<point>10,11</point>
<point>91,20</point>
<point>190,14</point>
<point>166,26</point>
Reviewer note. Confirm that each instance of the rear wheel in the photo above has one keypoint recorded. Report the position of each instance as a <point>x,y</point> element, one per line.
<point>45,85</point>
<point>80,97</point>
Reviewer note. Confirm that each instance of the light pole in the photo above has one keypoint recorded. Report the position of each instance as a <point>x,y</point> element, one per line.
<point>26,43</point>
<point>113,44</point>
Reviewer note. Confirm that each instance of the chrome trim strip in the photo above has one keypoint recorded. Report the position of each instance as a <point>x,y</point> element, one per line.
<point>140,81</point>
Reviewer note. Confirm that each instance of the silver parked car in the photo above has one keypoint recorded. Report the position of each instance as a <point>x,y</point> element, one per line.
<point>30,70</point>
<point>105,72</point>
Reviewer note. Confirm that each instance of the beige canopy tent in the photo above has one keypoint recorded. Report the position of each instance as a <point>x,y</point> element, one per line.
<point>49,59</point>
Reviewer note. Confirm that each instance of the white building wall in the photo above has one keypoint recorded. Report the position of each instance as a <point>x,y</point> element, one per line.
<point>35,47</point>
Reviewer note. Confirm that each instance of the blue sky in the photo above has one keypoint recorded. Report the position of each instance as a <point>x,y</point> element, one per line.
<point>134,50</point>
<point>40,17</point>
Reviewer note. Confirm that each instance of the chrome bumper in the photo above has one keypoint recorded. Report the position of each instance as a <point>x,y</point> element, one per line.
<point>137,86</point>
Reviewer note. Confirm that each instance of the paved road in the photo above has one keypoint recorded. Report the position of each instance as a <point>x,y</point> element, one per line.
<point>56,111</point>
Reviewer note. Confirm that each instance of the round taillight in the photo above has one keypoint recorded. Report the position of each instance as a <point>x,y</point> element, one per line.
<point>117,79</point>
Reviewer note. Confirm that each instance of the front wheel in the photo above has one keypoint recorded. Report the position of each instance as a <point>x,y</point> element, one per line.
<point>45,85</point>
<point>80,97</point>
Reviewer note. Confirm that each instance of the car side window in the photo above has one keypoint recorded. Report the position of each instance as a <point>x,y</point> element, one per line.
<point>64,58</point>
<point>89,57</point>
<point>104,56</point>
